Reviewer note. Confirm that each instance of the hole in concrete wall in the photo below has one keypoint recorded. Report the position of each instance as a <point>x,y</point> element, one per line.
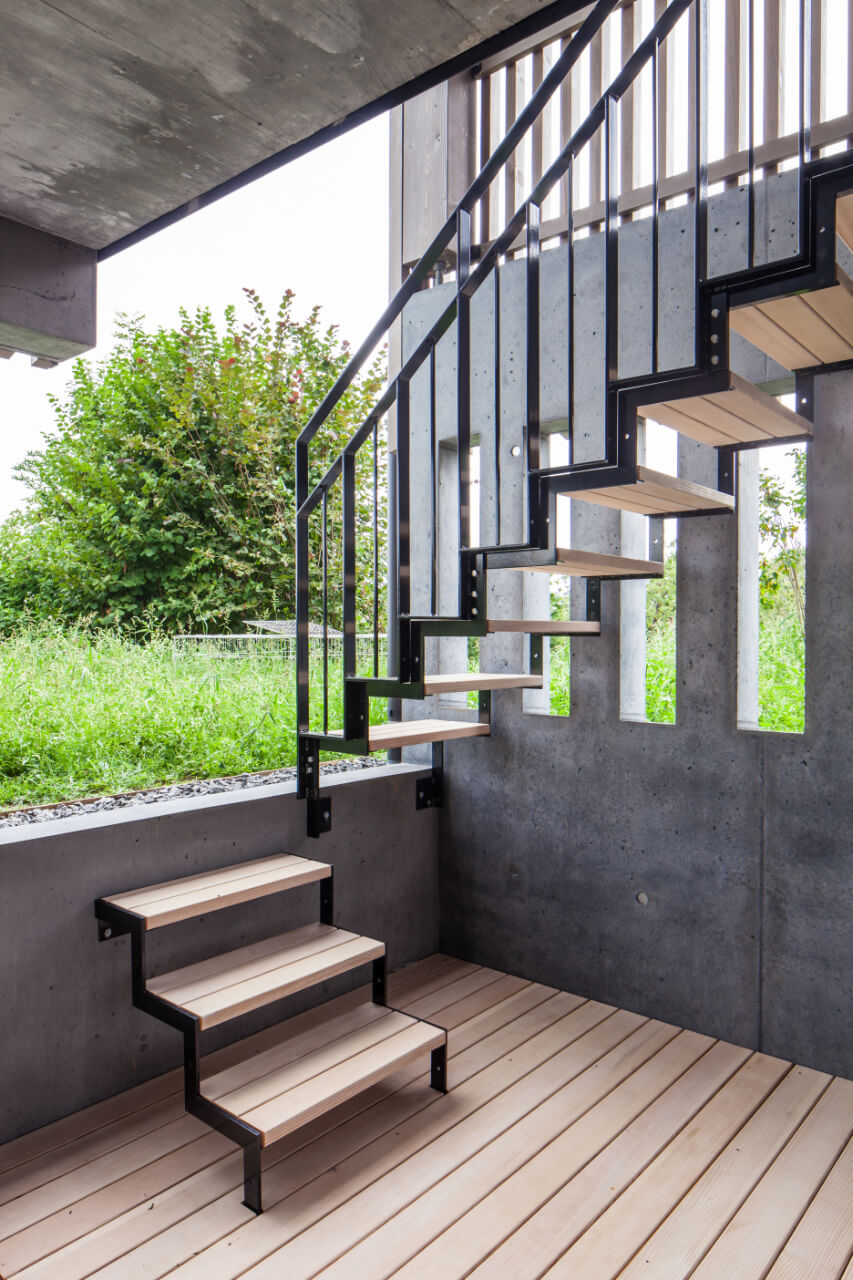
<point>648,608</point>
<point>772,588</point>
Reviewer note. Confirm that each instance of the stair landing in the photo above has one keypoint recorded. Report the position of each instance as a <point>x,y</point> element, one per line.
<point>578,1140</point>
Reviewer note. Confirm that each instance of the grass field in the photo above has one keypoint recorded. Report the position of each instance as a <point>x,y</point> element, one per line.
<point>81,717</point>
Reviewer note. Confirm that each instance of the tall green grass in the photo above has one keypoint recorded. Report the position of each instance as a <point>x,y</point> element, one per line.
<point>83,716</point>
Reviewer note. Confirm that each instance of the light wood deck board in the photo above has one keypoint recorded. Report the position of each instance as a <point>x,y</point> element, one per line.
<point>591,564</point>
<point>475,681</point>
<point>545,626</point>
<point>411,733</point>
<point>614,1135</point>
<point>658,494</point>
<point>174,900</point>
<point>804,329</point>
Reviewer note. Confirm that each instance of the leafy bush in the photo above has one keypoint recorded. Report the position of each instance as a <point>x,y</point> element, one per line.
<point>165,497</point>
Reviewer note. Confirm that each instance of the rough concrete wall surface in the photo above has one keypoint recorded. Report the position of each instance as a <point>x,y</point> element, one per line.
<point>741,840</point>
<point>71,1035</point>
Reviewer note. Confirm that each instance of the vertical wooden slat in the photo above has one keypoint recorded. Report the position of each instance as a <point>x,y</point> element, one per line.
<point>511,196</point>
<point>565,129</point>
<point>663,99</point>
<point>485,150</point>
<point>771,70</point>
<point>537,133</point>
<point>596,69</point>
<point>496,133</point>
<point>816,61</point>
<point>629,113</point>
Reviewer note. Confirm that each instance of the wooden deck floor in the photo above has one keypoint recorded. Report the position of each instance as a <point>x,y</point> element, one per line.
<point>577,1141</point>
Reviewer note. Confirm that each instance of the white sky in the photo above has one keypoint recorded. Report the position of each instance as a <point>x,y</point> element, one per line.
<point>318,226</point>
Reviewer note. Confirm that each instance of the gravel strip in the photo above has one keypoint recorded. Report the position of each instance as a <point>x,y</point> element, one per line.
<point>174,791</point>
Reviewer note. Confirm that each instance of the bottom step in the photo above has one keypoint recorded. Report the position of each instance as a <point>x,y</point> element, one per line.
<point>276,1099</point>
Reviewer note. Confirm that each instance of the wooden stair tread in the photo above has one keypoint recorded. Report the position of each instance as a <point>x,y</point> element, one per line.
<point>276,1103</point>
<point>738,416</point>
<point>656,494</point>
<point>844,219</point>
<point>594,564</point>
<point>410,733</point>
<point>802,330</point>
<point>545,626</point>
<point>473,680</point>
<point>229,985</point>
<point>161,904</point>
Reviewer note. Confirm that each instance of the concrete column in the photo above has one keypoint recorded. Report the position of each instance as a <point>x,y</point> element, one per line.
<point>747,590</point>
<point>47,294</point>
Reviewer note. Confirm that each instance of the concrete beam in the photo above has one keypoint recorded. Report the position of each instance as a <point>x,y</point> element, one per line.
<point>47,295</point>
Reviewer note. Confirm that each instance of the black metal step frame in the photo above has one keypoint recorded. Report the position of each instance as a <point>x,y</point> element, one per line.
<point>115,921</point>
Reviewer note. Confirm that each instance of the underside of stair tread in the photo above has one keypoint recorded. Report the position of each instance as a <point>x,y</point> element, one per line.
<point>475,681</point>
<point>586,564</point>
<point>162,904</point>
<point>410,733</point>
<point>545,626</point>
<point>656,494</point>
<point>741,415</point>
<point>844,219</point>
<point>278,1099</point>
<point>228,985</point>
<point>803,330</point>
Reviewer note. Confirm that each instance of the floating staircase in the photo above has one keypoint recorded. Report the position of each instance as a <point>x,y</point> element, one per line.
<point>264,1097</point>
<point>798,309</point>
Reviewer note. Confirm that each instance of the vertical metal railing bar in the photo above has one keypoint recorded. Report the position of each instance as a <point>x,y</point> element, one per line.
<point>302,608</point>
<point>570,327</point>
<point>700,190</point>
<point>750,73</point>
<point>403,530</point>
<point>325,610</point>
<point>655,231</point>
<point>497,376</point>
<point>463,388</point>
<point>532,416</point>
<point>805,84</point>
<point>692,105</point>
<point>611,274</point>
<point>349,564</point>
<point>433,484</point>
<point>376,549</point>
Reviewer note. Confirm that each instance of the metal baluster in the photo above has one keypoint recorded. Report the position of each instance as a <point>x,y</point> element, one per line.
<point>375,550</point>
<point>349,564</point>
<point>570,345</point>
<point>700,235</point>
<point>433,597</point>
<point>463,396</point>
<point>325,610</point>
<point>497,439</point>
<point>750,73</point>
<point>534,218</point>
<point>655,205</point>
<point>611,281</point>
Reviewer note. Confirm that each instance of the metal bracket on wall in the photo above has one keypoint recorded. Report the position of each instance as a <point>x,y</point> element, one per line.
<point>308,784</point>
<point>429,791</point>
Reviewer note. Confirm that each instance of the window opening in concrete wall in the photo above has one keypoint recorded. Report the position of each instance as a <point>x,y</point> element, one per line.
<point>772,588</point>
<point>648,626</point>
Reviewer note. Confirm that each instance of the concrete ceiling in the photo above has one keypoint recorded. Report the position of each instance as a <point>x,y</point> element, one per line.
<point>113,113</point>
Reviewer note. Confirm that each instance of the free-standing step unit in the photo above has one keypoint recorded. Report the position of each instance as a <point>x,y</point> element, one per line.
<point>261,1099</point>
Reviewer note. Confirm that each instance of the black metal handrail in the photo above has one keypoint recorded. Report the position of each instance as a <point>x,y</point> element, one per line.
<point>620,445</point>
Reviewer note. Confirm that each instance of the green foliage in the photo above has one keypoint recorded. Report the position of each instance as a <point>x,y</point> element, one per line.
<point>660,645</point>
<point>781,521</point>
<point>85,713</point>
<point>165,497</point>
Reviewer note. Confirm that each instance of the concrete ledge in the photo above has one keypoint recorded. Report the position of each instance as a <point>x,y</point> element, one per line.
<point>69,1031</point>
<point>48,293</point>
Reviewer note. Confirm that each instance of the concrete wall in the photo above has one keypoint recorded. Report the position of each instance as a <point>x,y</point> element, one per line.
<point>740,840</point>
<point>47,293</point>
<point>70,1035</point>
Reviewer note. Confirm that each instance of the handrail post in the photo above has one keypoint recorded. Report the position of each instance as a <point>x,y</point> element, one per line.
<point>532,415</point>
<point>463,396</point>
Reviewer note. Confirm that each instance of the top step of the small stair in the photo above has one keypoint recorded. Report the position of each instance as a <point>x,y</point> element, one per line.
<point>546,626</point>
<point>411,733</point>
<point>476,681</point>
<point>741,415</point>
<point>173,900</point>
<point>803,330</point>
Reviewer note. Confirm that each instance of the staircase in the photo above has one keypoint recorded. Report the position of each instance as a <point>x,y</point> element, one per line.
<point>798,309</point>
<point>263,1097</point>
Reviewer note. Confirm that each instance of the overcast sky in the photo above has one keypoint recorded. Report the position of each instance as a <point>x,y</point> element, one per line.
<point>318,226</point>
